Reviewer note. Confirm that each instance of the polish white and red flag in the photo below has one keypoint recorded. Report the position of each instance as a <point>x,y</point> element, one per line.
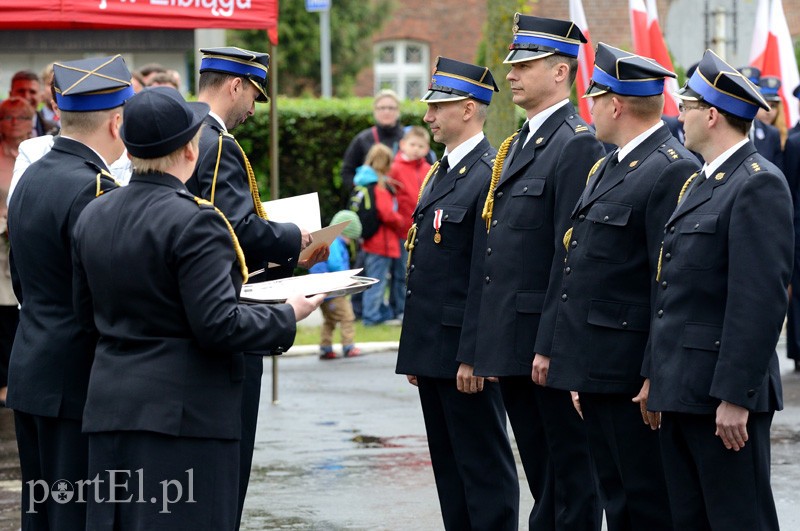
<point>585,60</point>
<point>760,35</point>
<point>648,41</point>
<point>779,60</point>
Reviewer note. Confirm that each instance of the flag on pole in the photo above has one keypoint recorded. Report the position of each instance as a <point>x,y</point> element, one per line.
<point>760,35</point>
<point>658,51</point>
<point>585,60</point>
<point>779,61</point>
<point>648,41</point>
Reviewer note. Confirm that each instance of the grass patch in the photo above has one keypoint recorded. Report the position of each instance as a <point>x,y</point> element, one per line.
<point>309,335</point>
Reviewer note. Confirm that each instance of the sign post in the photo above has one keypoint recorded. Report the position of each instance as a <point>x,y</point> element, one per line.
<point>323,7</point>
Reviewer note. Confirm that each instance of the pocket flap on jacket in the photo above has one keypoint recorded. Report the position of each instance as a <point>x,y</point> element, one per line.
<point>700,223</point>
<point>452,213</point>
<point>532,187</point>
<point>452,315</point>
<point>609,213</point>
<point>620,315</point>
<point>702,336</point>
<point>530,301</point>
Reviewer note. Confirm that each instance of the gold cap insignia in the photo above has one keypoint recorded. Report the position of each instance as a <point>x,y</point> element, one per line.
<point>719,176</point>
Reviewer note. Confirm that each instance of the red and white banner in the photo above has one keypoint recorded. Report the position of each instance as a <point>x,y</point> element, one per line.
<point>779,61</point>
<point>760,35</point>
<point>139,14</point>
<point>648,41</point>
<point>585,60</point>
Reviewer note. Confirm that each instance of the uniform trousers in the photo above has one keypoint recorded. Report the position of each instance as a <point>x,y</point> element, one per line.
<point>50,449</point>
<point>476,476</point>
<point>161,482</point>
<point>557,462</point>
<point>711,487</point>
<point>251,397</point>
<point>337,310</point>
<point>627,459</point>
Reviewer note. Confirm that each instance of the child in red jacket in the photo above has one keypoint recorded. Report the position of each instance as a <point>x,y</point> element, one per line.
<point>384,245</point>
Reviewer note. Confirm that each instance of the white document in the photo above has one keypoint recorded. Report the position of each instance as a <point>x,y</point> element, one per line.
<point>323,237</point>
<point>302,210</point>
<point>283,288</point>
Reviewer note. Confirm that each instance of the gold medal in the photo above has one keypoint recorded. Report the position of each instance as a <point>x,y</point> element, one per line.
<point>437,238</point>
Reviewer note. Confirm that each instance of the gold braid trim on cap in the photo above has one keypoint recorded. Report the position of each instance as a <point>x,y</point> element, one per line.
<point>412,232</point>
<point>99,190</point>
<point>488,207</point>
<point>236,246</point>
<point>680,198</point>
<point>258,207</point>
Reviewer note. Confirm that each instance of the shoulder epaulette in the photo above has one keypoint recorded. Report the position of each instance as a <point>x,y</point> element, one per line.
<point>753,166</point>
<point>205,204</point>
<point>488,158</point>
<point>101,172</point>
<point>670,153</point>
<point>577,124</point>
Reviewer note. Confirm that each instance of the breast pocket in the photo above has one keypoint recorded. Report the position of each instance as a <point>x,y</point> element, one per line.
<point>698,246</point>
<point>526,207</point>
<point>454,231</point>
<point>608,240</point>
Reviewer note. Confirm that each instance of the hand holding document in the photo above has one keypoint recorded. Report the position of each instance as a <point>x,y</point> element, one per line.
<point>334,284</point>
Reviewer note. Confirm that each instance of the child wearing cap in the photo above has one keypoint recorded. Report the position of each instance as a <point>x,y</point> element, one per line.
<point>339,309</point>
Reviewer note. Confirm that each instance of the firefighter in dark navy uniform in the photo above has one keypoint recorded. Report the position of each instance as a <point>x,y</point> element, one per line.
<point>52,354</point>
<point>166,385</point>
<point>719,309</point>
<point>593,342</point>
<point>538,176</point>
<point>471,455</point>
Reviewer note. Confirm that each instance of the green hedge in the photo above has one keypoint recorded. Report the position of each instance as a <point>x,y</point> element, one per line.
<point>313,136</point>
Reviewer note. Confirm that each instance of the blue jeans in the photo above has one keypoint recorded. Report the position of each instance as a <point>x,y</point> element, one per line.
<point>375,310</point>
<point>397,292</point>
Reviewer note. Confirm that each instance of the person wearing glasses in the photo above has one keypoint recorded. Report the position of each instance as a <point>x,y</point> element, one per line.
<point>719,307</point>
<point>593,341</point>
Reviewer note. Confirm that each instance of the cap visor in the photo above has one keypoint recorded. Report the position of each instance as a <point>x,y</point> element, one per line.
<point>685,93</point>
<point>593,91</point>
<point>435,95</point>
<point>518,56</point>
<point>262,97</point>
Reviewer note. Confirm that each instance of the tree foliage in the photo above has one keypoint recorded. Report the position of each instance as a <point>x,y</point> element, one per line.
<point>352,22</point>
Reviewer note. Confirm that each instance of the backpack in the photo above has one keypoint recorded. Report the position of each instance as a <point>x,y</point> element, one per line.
<point>362,202</point>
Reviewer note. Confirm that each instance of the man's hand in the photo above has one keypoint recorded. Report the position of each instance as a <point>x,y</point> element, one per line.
<point>319,254</point>
<point>650,418</point>
<point>305,238</point>
<point>732,425</point>
<point>541,366</point>
<point>466,382</point>
<point>303,306</point>
<point>576,402</point>
<point>412,379</point>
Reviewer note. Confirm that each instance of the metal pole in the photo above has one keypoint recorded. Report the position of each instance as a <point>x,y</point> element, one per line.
<point>325,51</point>
<point>720,38</point>
<point>274,187</point>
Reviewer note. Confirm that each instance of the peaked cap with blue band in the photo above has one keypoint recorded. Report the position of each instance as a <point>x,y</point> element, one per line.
<point>718,84</point>
<point>625,73</point>
<point>94,84</point>
<point>770,86</point>
<point>238,62</point>
<point>537,37</point>
<point>453,80</point>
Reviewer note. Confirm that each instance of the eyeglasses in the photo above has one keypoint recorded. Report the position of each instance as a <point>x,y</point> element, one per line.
<point>386,108</point>
<point>17,118</point>
<point>683,109</point>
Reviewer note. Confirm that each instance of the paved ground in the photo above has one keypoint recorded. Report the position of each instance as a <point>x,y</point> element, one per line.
<point>344,449</point>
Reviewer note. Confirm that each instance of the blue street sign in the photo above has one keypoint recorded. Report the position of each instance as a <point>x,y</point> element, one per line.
<point>313,6</point>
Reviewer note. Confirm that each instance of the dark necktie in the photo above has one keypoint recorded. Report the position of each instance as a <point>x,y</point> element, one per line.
<point>521,138</point>
<point>441,171</point>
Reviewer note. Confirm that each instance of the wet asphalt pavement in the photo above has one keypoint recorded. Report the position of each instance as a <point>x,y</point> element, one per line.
<point>345,449</point>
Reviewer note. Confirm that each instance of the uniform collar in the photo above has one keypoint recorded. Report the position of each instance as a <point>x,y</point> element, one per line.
<point>714,165</point>
<point>628,148</point>
<point>461,151</point>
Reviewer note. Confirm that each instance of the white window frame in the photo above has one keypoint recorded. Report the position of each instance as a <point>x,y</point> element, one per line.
<point>395,75</point>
